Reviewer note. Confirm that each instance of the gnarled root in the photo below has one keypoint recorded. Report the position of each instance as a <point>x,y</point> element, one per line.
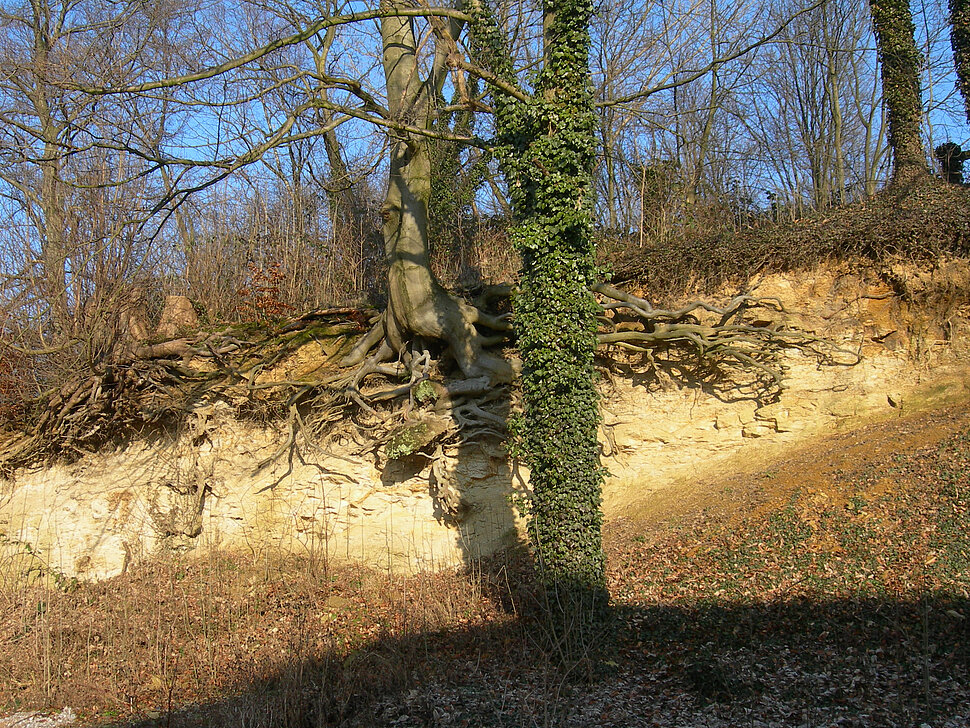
<point>714,334</point>
<point>391,371</point>
<point>434,314</point>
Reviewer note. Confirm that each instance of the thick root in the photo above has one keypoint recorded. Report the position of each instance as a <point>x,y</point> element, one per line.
<point>439,316</point>
<point>713,334</point>
<point>367,342</point>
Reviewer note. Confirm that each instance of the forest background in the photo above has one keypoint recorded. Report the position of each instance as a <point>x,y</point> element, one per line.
<point>256,192</point>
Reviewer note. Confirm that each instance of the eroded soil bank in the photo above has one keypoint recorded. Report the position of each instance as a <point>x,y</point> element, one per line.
<point>665,427</point>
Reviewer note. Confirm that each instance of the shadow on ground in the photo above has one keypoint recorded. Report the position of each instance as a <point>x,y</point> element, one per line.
<point>866,662</point>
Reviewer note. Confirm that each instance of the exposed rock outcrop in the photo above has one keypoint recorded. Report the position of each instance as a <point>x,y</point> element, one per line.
<point>434,505</point>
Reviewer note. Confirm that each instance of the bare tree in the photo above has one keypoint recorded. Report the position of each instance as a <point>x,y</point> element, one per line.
<point>819,124</point>
<point>417,303</point>
<point>79,198</point>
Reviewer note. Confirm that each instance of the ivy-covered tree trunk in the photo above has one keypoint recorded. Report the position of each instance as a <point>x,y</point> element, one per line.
<point>899,60</point>
<point>960,42</point>
<point>548,147</point>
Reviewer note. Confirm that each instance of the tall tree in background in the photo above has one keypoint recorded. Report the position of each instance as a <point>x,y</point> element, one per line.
<point>75,198</point>
<point>899,59</point>
<point>820,123</point>
<point>960,41</point>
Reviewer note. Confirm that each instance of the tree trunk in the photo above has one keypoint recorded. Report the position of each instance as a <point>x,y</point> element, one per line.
<point>547,152</point>
<point>833,68</point>
<point>960,41</point>
<point>899,61</point>
<point>52,224</point>
<point>417,304</point>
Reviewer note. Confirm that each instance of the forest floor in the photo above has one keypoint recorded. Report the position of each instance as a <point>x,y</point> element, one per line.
<point>827,588</point>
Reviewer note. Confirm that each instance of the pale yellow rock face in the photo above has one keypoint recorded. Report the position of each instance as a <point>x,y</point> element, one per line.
<point>672,435</point>
<point>92,519</point>
<point>203,490</point>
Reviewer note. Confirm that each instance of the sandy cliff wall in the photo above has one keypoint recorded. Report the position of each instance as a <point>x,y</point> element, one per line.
<point>205,490</point>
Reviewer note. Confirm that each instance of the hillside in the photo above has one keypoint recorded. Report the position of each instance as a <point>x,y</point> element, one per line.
<point>826,587</point>
<point>213,534</point>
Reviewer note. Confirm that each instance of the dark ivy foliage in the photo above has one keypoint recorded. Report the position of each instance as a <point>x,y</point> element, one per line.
<point>546,147</point>
<point>900,61</point>
<point>960,41</point>
<point>453,182</point>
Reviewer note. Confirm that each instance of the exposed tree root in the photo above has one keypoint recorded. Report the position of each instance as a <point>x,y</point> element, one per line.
<point>437,315</point>
<point>379,388</point>
<point>745,333</point>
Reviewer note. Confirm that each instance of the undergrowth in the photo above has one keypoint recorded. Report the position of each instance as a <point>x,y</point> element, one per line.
<point>920,222</point>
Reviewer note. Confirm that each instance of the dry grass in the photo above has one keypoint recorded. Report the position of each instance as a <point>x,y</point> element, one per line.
<point>185,631</point>
<point>919,222</point>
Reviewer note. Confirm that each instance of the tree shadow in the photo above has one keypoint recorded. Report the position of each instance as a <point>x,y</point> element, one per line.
<point>865,662</point>
<point>685,371</point>
<point>471,479</point>
<point>725,378</point>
